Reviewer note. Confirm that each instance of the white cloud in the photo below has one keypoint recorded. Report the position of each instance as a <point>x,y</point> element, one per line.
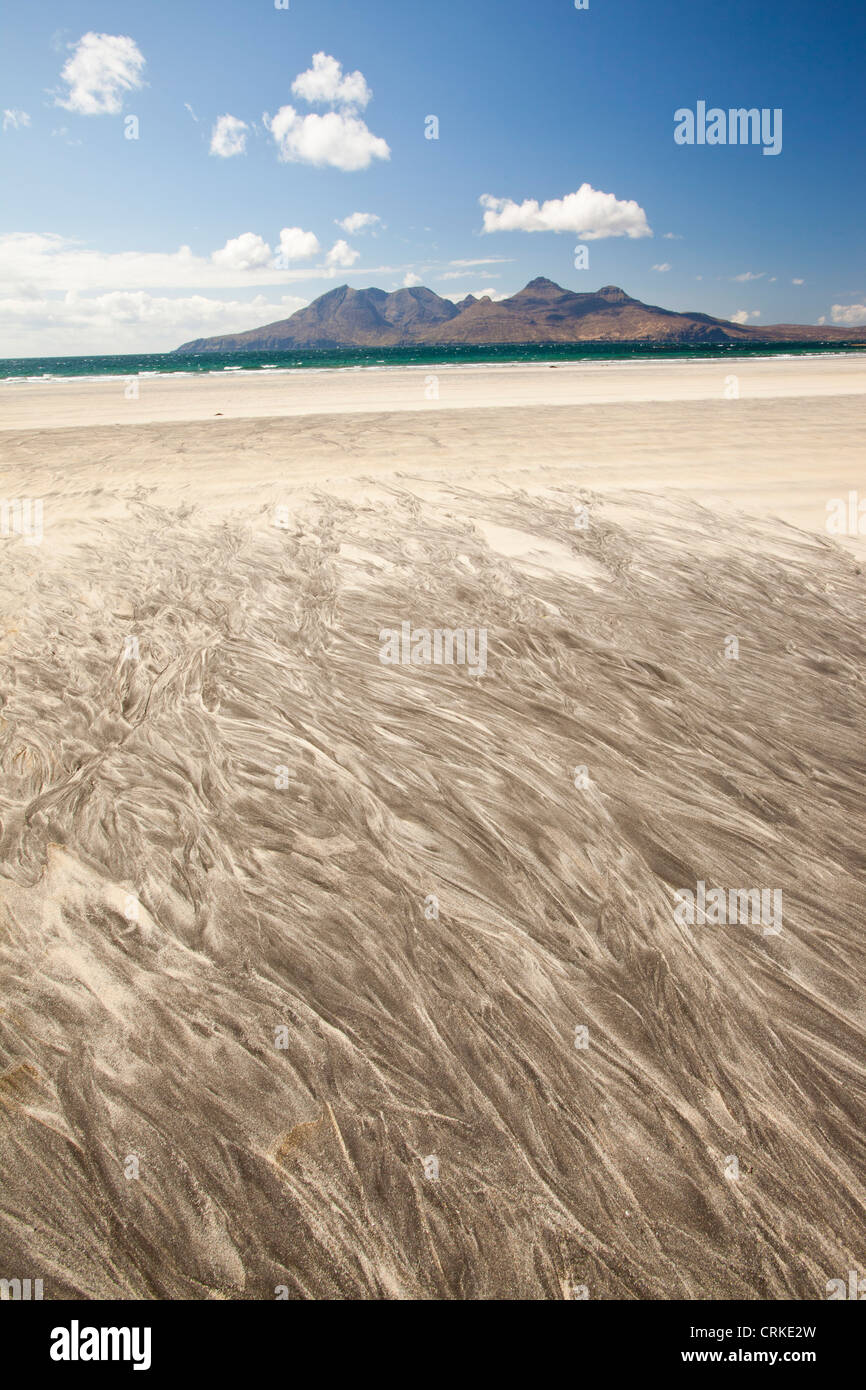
<point>798,282</point>
<point>14,119</point>
<point>229,137</point>
<point>56,264</point>
<point>191,112</point>
<point>324,84</point>
<point>465,275</point>
<point>488,260</point>
<point>245,252</point>
<point>848,315</point>
<point>410,280</point>
<point>588,213</point>
<point>457,296</point>
<point>126,321</point>
<point>663,268</point>
<point>748,275</point>
<point>342,255</point>
<point>101,70</point>
<point>62,133</point>
<point>359,222</point>
<point>297,245</point>
<point>337,140</point>
<point>743,315</point>
<point>672,236</point>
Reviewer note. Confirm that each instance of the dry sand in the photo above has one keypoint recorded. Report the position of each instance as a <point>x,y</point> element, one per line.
<point>233,824</point>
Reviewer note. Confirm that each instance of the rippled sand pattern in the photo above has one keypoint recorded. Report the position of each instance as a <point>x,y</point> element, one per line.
<point>152,782</point>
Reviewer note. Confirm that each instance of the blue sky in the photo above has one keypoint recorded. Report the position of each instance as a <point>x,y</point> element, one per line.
<point>534,100</point>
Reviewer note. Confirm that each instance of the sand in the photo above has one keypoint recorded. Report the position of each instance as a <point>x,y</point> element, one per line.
<point>337,979</point>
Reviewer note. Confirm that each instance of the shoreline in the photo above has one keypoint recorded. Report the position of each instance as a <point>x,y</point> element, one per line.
<point>83,402</point>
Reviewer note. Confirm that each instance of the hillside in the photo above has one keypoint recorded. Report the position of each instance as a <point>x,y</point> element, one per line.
<point>543,312</point>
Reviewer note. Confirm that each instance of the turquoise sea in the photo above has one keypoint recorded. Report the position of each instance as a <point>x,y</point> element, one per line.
<point>359,359</point>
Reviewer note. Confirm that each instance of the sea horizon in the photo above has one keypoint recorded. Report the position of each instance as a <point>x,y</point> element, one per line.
<point>159,364</point>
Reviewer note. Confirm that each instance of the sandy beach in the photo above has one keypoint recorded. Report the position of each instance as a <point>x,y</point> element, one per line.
<point>365,980</point>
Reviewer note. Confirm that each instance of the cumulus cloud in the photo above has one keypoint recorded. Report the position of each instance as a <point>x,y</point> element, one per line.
<point>14,119</point>
<point>798,282</point>
<point>359,222</point>
<point>588,213</point>
<point>245,252</point>
<point>126,321</point>
<point>297,245</point>
<point>229,137</point>
<point>410,280</point>
<point>336,139</point>
<point>743,315</point>
<point>848,315</point>
<point>324,84</point>
<point>672,236</point>
<point>102,69</point>
<point>748,275</point>
<point>663,268</point>
<point>342,255</point>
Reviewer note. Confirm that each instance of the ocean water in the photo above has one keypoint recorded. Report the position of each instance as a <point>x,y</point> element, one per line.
<point>372,359</point>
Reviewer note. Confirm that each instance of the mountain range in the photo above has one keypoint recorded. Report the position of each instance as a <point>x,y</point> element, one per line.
<point>543,312</point>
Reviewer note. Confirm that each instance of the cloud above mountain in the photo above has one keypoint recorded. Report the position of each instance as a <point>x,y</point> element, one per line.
<point>588,213</point>
<point>849,315</point>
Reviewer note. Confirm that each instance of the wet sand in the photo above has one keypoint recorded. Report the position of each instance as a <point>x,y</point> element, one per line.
<point>363,980</point>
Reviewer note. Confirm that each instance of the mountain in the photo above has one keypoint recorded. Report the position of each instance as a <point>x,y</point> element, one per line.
<point>543,312</point>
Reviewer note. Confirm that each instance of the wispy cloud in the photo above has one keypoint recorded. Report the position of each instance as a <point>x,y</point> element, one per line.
<point>229,137</point>
<point>359,222</point>
<point>14,119</point>
<point>102,69</point>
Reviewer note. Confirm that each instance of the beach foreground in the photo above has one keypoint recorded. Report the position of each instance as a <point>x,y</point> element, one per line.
<point>346,978</point>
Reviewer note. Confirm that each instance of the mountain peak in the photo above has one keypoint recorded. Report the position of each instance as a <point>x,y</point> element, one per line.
<point>542,312</point>
<point>613,294</point>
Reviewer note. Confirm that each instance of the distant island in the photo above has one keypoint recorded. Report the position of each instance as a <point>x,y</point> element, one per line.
<point>543,312</point>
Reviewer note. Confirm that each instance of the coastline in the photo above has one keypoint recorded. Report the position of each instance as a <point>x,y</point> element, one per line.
<point>85,401</point>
